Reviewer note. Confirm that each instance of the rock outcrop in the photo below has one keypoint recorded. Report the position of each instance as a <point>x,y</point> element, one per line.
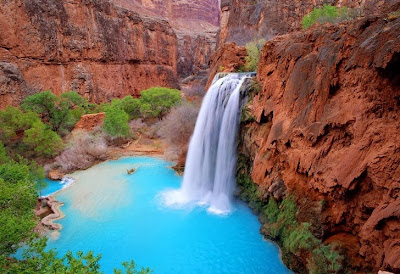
<point>246,20</point>
<point>326,125</point>
<point>228,58</point>
<point>89,122</point>
<point>94,47</point>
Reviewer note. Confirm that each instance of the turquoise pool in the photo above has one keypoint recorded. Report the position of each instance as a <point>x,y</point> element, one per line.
<point>122,217</point>
<point>51,187</point>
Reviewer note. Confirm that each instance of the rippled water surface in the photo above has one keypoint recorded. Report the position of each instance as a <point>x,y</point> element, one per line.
<point>122,217</point>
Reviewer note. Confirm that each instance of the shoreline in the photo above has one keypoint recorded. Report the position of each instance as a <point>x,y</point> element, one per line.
<point>47,222</point>
<point>112,154</point>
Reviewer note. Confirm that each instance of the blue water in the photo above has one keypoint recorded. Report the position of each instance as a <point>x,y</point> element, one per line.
<point>50,188</point>
<point>122,217</point>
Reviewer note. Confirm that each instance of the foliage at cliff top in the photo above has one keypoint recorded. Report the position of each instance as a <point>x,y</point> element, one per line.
<point>253,54</point>
<point>325,14</point>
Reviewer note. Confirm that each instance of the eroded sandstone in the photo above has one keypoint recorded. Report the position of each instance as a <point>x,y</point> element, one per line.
<point>326,125</point>
<point>94,47</point>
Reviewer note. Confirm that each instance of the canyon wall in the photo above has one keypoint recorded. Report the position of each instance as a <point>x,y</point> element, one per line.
<point>196,24</point>
<point>326,129</point>
<point>94,47</point>
<point>102,49</point>
<point>246,20</point>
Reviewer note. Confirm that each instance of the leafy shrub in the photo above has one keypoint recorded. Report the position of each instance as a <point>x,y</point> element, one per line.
<point>272,211</point>
<point>327,13</point>
<point>62,112</point>
<point>3,154</point>
<point>253,54</point>
<point>300,238</point>
<point>325,260</point>
<point>83,150</point>
<point>116,122</point>
<point>17,198</point>
<point>13,121</point>
<point>43,141</point>
<point>157,101</point>
<point>249,192</point>
<point>128,104</point>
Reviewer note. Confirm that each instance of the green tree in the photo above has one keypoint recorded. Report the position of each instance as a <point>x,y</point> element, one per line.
<point>157,101</point>
<point>44,142</point>
<point>253,54</point>
<point>116,122</point>
<point>17,199</point>
<point>13,122</point>
<point>131,106</point>
<point>62,112</point>
<point>3,154</point>
<point>128,104</point>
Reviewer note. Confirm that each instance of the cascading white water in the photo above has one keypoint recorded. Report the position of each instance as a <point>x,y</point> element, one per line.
<point>209,177</point>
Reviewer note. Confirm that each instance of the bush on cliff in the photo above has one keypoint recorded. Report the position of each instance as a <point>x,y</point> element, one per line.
<point>157,101</point>
<point>253,54</point>
<point>325,14</point>
<point>280,224</point>
<point>61,112</point>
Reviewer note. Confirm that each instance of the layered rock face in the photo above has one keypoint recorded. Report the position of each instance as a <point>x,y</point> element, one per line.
<point>94,47</point>
<point>205,10</point>
<point>246,20</point>
<point>327,123</point>
<point>196,24</point>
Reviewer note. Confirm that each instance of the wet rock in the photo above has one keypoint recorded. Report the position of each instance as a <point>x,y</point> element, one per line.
<point>55,175</point>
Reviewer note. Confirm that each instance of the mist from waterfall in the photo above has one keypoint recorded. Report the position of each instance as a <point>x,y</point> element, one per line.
<point>209,177</point>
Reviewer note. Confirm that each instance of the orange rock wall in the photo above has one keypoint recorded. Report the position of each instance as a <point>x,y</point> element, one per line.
<point>94,47</point>
<point>327,125</point>
<point>196,24</point>
<point>246,20</point>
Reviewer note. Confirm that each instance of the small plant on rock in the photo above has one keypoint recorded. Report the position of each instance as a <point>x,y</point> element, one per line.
<point>325,14</point>
<point>253,54</point>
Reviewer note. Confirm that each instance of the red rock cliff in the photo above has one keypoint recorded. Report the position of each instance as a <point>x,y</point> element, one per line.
<point>94,47</point>
<point>327,127</point>
<point>195,23</point>
<point>246,20</point>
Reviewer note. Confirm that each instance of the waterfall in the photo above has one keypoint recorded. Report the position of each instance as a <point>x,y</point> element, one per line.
<point>209,177</point>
